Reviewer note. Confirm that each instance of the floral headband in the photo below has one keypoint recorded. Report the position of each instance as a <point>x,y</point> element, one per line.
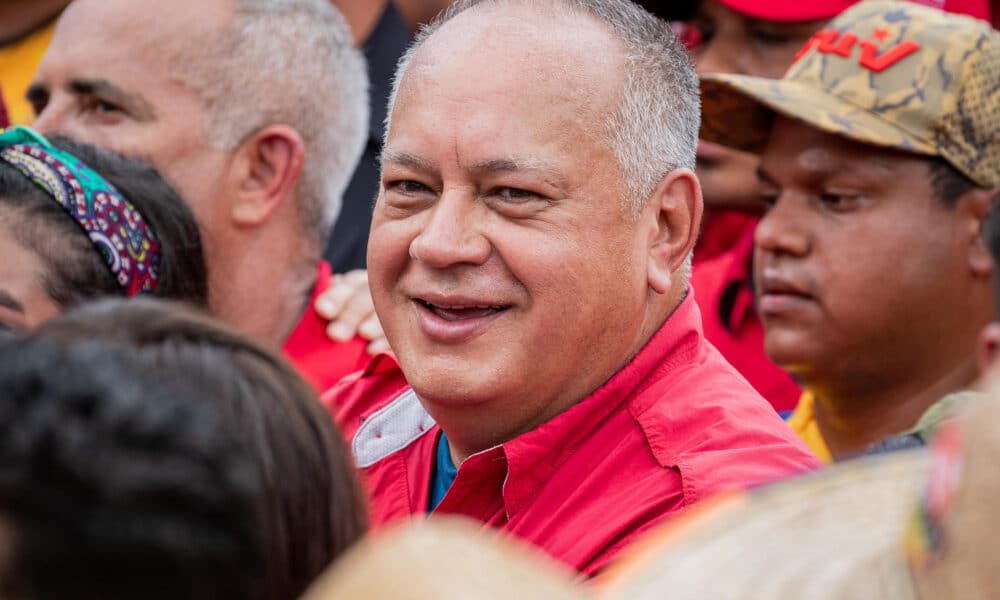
<point>115,227</point>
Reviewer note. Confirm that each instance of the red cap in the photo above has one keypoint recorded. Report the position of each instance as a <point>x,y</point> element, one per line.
<point>789,10</point>
<point>814,10</point>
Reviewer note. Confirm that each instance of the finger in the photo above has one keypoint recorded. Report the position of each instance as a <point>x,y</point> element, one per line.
<point>342,288</point>
<point>358,308</point>
<point>378,346</point>
<point>371,328</point>
<point>331,302</point>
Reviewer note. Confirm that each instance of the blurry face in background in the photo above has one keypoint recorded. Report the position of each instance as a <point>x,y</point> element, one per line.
<point>862,274</point>
<point>109,78</point>
<point>24,302</point>
<point>725,41</point>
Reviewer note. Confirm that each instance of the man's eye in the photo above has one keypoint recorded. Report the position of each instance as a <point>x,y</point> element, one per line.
<point>769,197</point>
<point>840,202</point>
<point>771,37</point>
<point>515,195</point>
<point>408,187</point>
<point>38,102</point>
<point>101,107</point>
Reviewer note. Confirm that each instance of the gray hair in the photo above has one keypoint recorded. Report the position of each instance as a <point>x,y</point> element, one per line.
<point>290,62</point>
<point>655,129</point>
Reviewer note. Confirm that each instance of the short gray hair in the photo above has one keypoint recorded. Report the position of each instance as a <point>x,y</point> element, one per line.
<point>655,129</point>
<point>290,62</point>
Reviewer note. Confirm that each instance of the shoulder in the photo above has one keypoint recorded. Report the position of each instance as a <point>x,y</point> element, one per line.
<point>707,422</point>
<point>357,397</point>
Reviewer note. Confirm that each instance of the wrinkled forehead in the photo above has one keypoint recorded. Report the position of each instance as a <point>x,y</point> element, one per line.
<point>797,150</point>
<point>147,34</point>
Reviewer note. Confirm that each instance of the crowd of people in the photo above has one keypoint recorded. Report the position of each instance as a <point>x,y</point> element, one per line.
<point>596,285</point>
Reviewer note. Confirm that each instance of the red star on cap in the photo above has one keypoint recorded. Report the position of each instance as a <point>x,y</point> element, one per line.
<point>880,33</point>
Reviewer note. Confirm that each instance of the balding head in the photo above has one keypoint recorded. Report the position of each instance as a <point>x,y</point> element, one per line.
<point>654,127</point>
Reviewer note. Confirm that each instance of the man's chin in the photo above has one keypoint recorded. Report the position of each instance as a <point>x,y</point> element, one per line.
<point>791,351</point>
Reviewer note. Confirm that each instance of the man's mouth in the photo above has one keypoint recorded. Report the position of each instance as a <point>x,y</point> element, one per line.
<point>460,312</point>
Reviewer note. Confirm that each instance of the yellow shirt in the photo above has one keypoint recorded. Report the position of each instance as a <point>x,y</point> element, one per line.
<point>18,63</point>
<point>803,423</point>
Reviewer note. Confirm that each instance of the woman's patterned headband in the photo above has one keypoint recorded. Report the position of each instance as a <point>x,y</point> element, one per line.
<point>115,227</point>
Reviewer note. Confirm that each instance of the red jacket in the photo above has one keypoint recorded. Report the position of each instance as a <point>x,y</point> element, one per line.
<point>321,360</point>
<point>675,425</point>
<point>722,288</point>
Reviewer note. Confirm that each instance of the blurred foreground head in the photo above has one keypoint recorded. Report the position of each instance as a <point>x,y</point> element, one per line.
<point>118,480</point>
<point>308,503</point>
<point>917,524</point>
<point>446,559</point>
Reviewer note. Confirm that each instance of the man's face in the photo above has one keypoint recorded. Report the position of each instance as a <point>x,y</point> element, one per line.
<point>506,271</point>
<point>110,78</point>
<point>860,271</point>
<point>725,41</point>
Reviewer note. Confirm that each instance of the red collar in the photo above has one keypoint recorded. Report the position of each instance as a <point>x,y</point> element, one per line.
<point>534,456</point>
<point>321,360</point>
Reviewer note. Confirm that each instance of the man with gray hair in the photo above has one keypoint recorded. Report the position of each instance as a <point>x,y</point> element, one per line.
<point>528,260</point>
<point>256,111</point>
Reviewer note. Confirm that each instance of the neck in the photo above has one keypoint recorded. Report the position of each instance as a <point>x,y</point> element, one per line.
<point>851,418</point>
<point>263,288</point>
<point>469,433</point>
<point>18,18</point>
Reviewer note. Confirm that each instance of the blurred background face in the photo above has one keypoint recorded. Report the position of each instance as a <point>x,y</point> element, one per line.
<point>724,41</point>
<point>24,302</point>
<point>859,269</point>
<point>504,266</point>
<point>108,79</point>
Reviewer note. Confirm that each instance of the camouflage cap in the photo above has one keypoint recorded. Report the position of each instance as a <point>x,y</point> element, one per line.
<point>886,73</point>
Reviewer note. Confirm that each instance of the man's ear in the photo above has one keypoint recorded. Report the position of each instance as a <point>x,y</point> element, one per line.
<point>676,207</point>
<point>978,203</point>
<point>268,164</point>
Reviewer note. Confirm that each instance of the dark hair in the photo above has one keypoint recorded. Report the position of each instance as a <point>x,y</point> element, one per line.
<point>75,269</point>
<point>117,483</point>
<point>949,183</point>
<point>312,505</point>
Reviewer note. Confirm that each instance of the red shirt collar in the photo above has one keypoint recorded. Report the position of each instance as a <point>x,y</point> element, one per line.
<point>321,360</point>
<point>532,457</point>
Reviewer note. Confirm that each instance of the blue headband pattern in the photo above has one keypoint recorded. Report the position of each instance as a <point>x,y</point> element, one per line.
<point>115,227</point>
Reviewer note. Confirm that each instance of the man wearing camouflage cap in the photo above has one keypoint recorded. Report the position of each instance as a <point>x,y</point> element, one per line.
<point>880,159</point>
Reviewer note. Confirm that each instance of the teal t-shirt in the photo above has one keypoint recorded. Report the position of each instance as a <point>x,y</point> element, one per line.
<point>444,473</point>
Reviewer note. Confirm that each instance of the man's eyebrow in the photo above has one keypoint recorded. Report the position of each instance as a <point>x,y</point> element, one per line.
<point>7,301</point>
<point>134,103</point>
<point>405,159</point>
<point>511,165</point>
<point>37,94</point>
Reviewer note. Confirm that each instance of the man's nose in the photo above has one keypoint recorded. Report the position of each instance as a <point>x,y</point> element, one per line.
<point>453,233</point>
<point>784,228</point>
